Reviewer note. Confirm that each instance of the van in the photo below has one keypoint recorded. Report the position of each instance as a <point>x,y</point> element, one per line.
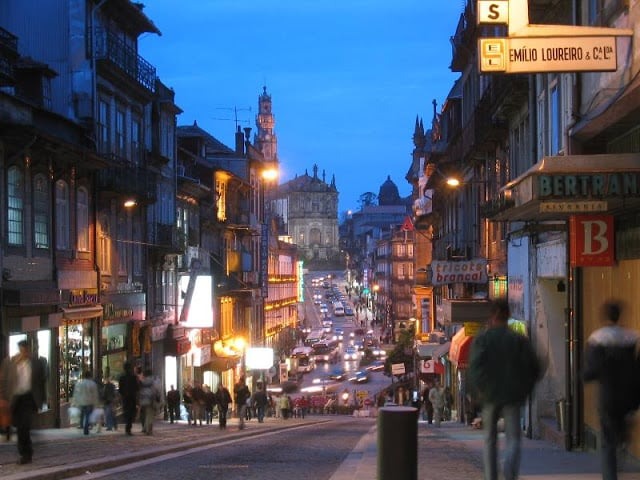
<point>338,309</point>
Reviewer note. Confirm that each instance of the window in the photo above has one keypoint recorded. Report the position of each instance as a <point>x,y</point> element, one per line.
<point>103,126</point>
<point>15,204</point>
<point>62,215</point>
<point>120,138</point>
<point>136,147</point>
<point>82,219</point>
<point>41,211</point>
<point>104,245</point>
<point>555,120</point>
<point>121,246</point>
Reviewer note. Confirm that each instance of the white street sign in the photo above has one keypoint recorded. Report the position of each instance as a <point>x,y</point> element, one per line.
<point>550,54</point>
<point>493,12</point>
<point>397,369</point>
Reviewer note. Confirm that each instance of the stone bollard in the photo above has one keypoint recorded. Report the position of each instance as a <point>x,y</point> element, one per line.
<point>397,443</point>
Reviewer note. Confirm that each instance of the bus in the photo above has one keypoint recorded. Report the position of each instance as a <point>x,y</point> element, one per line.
<point>305,359</point>
<point>314,336</point>
<point>326,351</point>
<point>338,309</point>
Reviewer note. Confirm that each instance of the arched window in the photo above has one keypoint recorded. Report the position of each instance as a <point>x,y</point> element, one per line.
<point>41,221</point>
<point>15,204</point>
<point>82,219</point>
<point>62,215</point>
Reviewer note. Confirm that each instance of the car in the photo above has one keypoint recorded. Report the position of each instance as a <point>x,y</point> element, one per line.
<point>379,352</point>
<point>338,333</point>
<point>361,376</point>
<point>338,374</point>
<point>348,311</point>
<point>376,366</point>
<point>324,309</point>
<point>350,353</point>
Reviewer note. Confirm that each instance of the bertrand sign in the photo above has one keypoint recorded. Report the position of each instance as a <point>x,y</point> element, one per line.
<point>468,271</point>
<point>547,54</point>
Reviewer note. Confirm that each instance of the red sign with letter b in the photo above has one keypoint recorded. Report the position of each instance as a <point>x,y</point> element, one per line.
<point>591,241</point>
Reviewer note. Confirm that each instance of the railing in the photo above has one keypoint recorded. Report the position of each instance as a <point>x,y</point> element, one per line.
<point>128,179</point>
<point>8,55</point>
<point>108,46</point>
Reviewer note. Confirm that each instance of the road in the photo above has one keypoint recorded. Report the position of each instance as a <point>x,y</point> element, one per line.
<point>316,382</point>
<point>307,452</point>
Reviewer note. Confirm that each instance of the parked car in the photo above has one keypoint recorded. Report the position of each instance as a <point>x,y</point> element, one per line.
<point>376,366</point>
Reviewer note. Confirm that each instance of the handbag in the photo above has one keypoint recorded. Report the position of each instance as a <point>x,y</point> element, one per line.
<point>97,415</point>
<point>74,414</point>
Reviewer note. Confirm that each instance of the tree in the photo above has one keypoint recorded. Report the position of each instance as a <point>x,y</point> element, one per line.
<point>402,352</point>
<point>367,199</point>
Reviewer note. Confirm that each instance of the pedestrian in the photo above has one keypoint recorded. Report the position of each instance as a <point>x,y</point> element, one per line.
<point>285,406</point>
<point>242,394</point>
<point>209,404</point>
<point>427,413</point>
<point>173,404</point>
<point>187,398</point>
<point>128,389</point>
<point>22,387</point>
<point>223,399</point>
<point>150,401</point>
<point>503,369</point>
<point>260,402</point>
<point>611,359</point>
<point>436,397</point>
<point>448,403</point>
<point>85,397</point>
<point>198,400</point>
<point>108,399</point>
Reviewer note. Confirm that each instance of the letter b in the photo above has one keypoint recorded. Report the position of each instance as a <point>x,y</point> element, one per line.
<point>595,232</point>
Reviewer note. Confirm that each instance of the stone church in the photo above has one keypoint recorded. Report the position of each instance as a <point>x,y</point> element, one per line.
<point>306,208</point>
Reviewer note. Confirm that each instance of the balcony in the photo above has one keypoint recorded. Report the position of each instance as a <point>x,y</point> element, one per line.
<point>8,56</point>
<point>463,42</point>
<point>168,238</point>
<point>128,180</point>
<point>111,49</point>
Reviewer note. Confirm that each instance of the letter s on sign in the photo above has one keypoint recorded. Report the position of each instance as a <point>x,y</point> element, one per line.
<point>493,12</point>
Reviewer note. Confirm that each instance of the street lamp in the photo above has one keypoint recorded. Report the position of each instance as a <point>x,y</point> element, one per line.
<point>345,397</point>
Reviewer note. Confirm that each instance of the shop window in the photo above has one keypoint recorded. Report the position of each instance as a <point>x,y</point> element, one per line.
<point>76,347</point>
<point>113,349</point>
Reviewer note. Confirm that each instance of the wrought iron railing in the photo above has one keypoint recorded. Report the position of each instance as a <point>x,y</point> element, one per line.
<point>108,46</point>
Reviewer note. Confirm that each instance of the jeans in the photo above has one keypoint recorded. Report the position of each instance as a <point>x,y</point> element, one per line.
<point>490,415</point>
<point>109,417</point>
<point>260,414</point>
<point>242,411</point>
<point>85,415</point>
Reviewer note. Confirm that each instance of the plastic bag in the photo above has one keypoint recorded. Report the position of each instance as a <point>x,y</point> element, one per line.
<point>74,414</point>
<point>97,415</point>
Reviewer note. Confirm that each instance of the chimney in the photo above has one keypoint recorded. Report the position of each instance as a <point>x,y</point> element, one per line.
<point>239,141</point>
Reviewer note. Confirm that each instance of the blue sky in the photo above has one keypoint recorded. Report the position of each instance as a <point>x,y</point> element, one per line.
<point>347,77</point>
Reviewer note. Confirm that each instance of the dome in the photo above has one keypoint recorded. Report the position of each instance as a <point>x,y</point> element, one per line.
<point>388,194</point>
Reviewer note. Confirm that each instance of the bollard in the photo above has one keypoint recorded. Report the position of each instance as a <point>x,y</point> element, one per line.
<point>397,443</point>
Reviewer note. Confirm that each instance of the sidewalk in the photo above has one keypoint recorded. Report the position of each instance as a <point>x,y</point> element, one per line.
<point>57,453</point>
<point>454,452</point>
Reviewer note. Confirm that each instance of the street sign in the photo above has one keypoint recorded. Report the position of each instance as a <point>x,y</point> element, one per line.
<point>548,54</point>
<point>397,369</point>
<point>493,12</point>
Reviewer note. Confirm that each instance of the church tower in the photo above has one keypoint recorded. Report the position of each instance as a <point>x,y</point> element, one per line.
<point>266,140</point>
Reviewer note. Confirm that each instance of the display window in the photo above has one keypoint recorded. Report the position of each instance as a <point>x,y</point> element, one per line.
<point>113,351</point>
<point>76,355</point>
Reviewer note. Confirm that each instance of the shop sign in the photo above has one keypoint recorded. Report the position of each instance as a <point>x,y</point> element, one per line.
<point>466,271</point>
<point>550,54</point>
<point>83,297</point>
<point>574,207</point>
<point>397,369</point>
<point>591,241</point>
<point>158,332</point>
<point>111,312</point>
<point>473,329</point>
<point>183,346</point>
<point>589,185</point>
<point>264,261</point>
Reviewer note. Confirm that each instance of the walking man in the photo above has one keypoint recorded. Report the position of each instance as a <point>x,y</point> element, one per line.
<point>22,385</point>
<point>260,402</point>
<point>173,404</point>
<point>223,399</point>
<point>611,360</point>
<point>242,394</point>
<point>503,369</point>
<point>128,388</point>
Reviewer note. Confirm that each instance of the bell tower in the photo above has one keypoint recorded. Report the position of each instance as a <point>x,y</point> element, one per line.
<point>266,140</point>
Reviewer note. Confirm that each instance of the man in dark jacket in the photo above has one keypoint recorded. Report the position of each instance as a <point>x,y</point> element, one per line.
<point>129,387</point>
<point>611,360</point>
<point>242,394</point>
<point>503,369</point>
<point>173,404</point>
<point>22,386</point>
<point>223,399</point>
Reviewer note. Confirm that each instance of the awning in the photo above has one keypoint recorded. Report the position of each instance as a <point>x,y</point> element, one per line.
<point>81,313</point>
<point>433,350</point>
<point>460,347</point>
<point>557,187</point>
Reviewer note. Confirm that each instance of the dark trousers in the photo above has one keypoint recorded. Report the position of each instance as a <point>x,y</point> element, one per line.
<point>174,413</point>
<point>222,418</point>
<point>23,410</point>
<point>129,413</point>
<point>613,436</point>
